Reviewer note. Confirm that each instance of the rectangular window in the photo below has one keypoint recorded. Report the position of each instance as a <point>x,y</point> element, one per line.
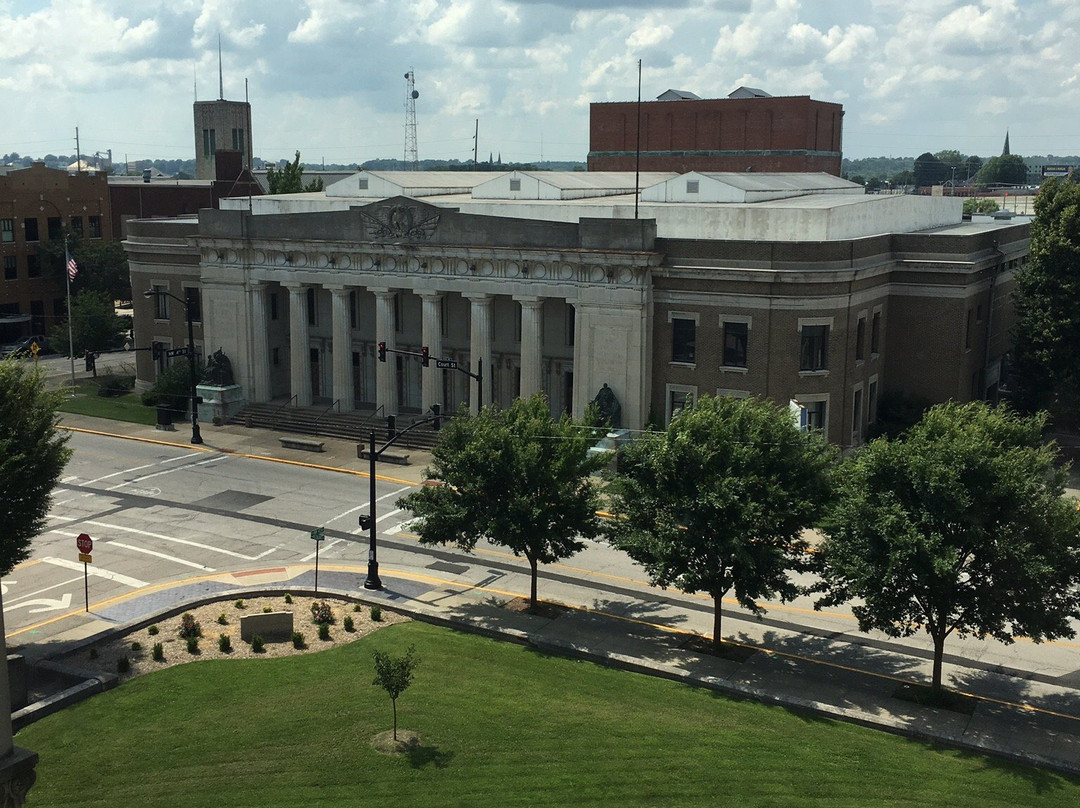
<point>860,338</point>
<point>33,266</point>
<point>683,333</point>
<point>30,229</point>
<point>56,232</point>
<point>856,416</point>
<point>363,183</point>
<point>871,404</point>
<point>194,303</point>
<point>735,340</point>
<point>209,142</point>
<point>11,270</point>
<point>95,227</point>
<point>273,306</point>
<point>875,333</point>
<point>812,415</point>
<point>814,348</point>
<point>238,139</point>
<point>7,230</point>
<point>692,186</point>
<point>515,185</point>
<point>311,312</point>
<point>76,226</point>
<point>161,302</point>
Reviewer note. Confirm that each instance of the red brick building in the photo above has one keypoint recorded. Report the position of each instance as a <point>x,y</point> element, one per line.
<point>748,131</point>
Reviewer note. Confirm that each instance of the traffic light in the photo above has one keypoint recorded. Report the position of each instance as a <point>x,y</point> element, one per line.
<point>425,357</point>
<point>382,351</point>
<point>366,521</point>
<point>155,350</point>
<point>435,410</point>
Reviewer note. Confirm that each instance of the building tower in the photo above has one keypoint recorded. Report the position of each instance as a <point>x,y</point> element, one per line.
<point>222,125</point>
<point>412,160</point>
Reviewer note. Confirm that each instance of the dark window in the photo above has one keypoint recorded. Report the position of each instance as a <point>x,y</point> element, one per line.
<point>194,303</point>
<point>95,227</point>
<point>735,339</point>
<point>856,413</point>
<point>860,338</point>
<point>30,229</point>
<point>311,305</point>
<point>814,351</point>
<point>238,139</point>
<point>209,139</point>
<point>871,404</point>
<point>11,269</point>
<point>875,333</point>
<point>76,225</point>
<point>682,340</point>
<point>273,305</point>
<point>56,232</point>
<point>815,415</point>
<point>33,266</point>
<point>161,303</point>
<point>515,185</point>
<point>7,230</point>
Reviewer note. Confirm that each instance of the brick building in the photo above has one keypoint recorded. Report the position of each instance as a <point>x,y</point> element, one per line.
<point>748,131</point>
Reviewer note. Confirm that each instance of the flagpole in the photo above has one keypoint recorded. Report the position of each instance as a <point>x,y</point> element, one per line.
<point>71,340</point>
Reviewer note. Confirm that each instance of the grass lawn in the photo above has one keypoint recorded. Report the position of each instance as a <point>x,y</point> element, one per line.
<point>120,408</point>
<point>499,725</point>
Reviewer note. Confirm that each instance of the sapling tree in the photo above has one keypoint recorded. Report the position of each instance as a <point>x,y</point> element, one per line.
<point>394,674</point>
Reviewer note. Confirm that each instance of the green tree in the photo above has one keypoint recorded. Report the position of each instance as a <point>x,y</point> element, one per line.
<point>972,165</point>
<point>32,456</point>
<point>394,674</point>
<point>103,265</point>
<point>315,185</point>
<point>289,179</point>
<point>172,387</point>
<point>720,500</point>
<point>976,204</point>
<point>95,326</point>
<point>929,170</point>
<point>1045,373</point>
<point>1010,169</point>
<point>515,477</point>
<point>958,527</point>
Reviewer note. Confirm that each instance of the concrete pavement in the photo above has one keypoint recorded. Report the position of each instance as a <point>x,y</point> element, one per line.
<point>1017,714</point>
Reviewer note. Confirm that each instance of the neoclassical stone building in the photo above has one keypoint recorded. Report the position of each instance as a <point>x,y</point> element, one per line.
<point>795,287</point>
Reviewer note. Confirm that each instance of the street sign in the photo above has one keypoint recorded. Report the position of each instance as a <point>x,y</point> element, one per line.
<point>176,352</point>
<point>86,558</point>
<point>84,543</point>
<point>34,348</point>
<point>317,534</point>
<point>446,364</point>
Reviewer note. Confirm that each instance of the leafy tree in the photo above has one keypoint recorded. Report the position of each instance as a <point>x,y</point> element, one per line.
<point>315,185</point>
<point>972,165</point>
<point>720,500</point>
<point>515,477</point>
<point>1046,368</point>
<point>1009,169</point>
<point>394,675</point>
<point>929,170</point>
<point>172,387</point>
<point>32,456</point>
<point>958,527</point>
<point>103,265</point>
<point>902,179</point>
<point>950,158</point>
<point>289,179</point>
<point>95,325</point>
<point>976,204</point>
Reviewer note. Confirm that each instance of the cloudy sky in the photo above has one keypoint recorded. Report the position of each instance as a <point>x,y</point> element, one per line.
<point>327,76</point>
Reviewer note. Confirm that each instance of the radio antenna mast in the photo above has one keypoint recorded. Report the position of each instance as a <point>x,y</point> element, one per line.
<point>412,160</point>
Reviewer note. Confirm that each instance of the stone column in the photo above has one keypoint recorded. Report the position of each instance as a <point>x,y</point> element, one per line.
<point>532,342</point>
<point>431,382</point>
<point>385,372</point>
<point>299,345</point>
<point>260,345</point>
<point>342,342</point>
<point>480,345</point>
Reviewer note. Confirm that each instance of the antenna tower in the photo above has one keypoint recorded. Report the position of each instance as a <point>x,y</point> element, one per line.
<point>412,161</point>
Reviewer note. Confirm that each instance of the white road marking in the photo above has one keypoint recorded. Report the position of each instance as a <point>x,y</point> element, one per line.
<point>156,554</point>
<point>174,540</point>
<point>45,604</point>
<point>44,590</point>
<point>118,473</point>
<point>388,514</point>
<point>166,471</point>
<point>97,572</point>
<point>393,493</point>
<point>323,550</point>
<point>182,457</point>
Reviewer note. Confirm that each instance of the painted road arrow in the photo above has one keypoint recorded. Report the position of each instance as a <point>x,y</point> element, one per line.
<point>45,604</point>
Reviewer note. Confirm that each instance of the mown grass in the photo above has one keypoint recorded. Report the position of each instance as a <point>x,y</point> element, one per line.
<point>499,725</point>
<point>86,401</point>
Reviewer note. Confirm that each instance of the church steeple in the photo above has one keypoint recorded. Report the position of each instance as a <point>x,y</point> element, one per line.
<point>1005,151</point>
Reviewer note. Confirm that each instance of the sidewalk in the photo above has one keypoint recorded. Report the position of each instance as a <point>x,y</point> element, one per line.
<point>1023,718</point>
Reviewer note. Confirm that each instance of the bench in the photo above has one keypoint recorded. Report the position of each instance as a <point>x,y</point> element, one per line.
<point>386,457</point>
<point>307,444</point>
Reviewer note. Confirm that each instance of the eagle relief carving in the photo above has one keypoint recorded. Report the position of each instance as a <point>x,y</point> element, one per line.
<point>400,222</point>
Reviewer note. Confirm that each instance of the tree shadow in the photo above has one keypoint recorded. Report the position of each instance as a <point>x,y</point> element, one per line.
<point>1064,702</point>
<point>429,755</point>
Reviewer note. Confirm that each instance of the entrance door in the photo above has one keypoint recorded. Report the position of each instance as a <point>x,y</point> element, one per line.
<point>316,386</point>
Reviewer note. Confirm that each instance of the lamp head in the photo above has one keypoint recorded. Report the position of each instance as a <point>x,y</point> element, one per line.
<point>149,293</point>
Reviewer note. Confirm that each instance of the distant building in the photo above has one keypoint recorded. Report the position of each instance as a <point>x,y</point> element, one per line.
<point>221,125</point>
<point>747,131</point>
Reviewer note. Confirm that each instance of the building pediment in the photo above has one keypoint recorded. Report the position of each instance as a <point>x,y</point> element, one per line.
<point>399,219</point>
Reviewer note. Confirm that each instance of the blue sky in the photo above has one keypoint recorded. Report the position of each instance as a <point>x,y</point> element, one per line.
<point>327,76</point>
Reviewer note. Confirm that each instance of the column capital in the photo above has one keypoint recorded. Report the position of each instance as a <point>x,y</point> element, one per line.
<point>478,297</point>
<point>294,285</point>
<point>382,291</point>
<point>337,288</point>
<point>529,300</point>
<point>429,294</point>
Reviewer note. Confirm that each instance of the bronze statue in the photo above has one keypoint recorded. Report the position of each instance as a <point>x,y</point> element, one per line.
<point>219,370</point>
<point>609,408</point>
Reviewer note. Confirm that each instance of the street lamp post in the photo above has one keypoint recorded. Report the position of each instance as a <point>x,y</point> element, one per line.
<point>196,436</point>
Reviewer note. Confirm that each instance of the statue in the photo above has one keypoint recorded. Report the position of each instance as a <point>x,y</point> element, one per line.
<point>219,370</point>
<point>609,408</point>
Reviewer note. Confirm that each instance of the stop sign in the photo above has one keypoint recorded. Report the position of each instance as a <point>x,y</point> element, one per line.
<point>84,543</point>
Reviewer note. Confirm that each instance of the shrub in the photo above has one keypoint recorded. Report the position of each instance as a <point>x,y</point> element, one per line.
<point>222,619</point>
<point>224,644</point>
<point>376,613</point>
<point>320,612</point>
<point>324,631</point>
<point>358,607</point>
<point>189,627</point>
<point>113,385</point>
<point>257,644</point>
<point>267,609</point>
<point>136,646</point>
<point>298,640</point>
<point>348,623</point>
<point>123,665</point>
<point>159,652</point>
<point>93,653</point>
<point>152,630</point>
<point>193,645</point>
<point>288,598</point>
<point>239,604</point>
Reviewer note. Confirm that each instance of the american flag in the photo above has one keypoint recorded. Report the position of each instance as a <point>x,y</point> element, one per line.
<point>72,268</point>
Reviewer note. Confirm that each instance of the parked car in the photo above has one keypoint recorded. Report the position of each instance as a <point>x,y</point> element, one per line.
<point>22,347</point>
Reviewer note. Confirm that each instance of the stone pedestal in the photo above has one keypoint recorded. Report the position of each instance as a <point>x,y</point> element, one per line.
<point>219,404</point>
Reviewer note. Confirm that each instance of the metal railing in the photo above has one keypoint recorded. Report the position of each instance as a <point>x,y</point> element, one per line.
<point>277,412</point>
<point>337,404</point>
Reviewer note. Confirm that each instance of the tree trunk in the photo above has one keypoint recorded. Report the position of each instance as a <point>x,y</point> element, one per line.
<point>532,589</point>
<point>717,638</point>
<point>394,702</point>
<point>939,652</point>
